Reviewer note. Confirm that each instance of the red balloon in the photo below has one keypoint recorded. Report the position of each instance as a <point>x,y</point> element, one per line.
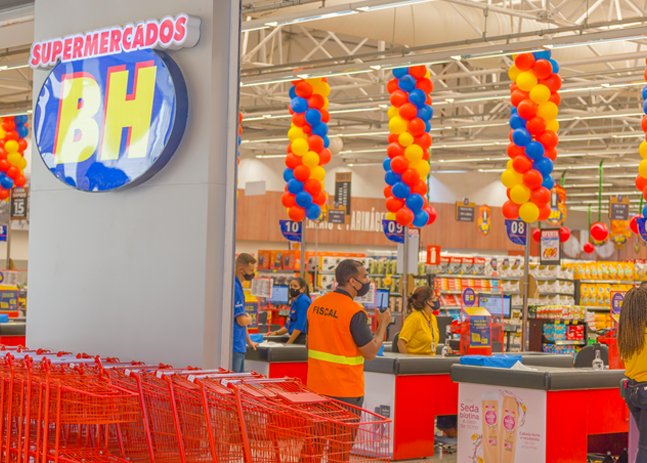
<point>316,143</point>
<point>394,204</point>
<point>324,157</point>
<point>240,132</point>
<point>551,154</point>
<point>533,179</point>
<point>316,101</point>
<point>549,139</point>
<point>599,231</point>
<point>536,125</point>
<point>296,213</point>
<point>404,217</point>
<point>408,111</point>
<point>643,124</point>
<point>392,86</point>
<point>428,100</point>
<point>553,82</point>
<point>588,248</point>
<point>522,164</point>
<point>3,154</point>
<point>540,196</point>
<point>633,223</point>
<point>325,115</point>
<point>524,61</point>
<point>418,72</point>
<point>517,97</point>
<point>13,135</point>
<point>544,212</point>
<point>306,128</point>
<point>20,180</point>
<point>8,125</point>
<point>542,69</point>
<point>555,98</point>
<point>301,173</point>
<point>399,164</point>
<point>299,119</point>
<point>421,188</point>
<point>398,98</point>
<point>510,210</point>
<point>395,149</point>
<point>416,127</point>
<point>565,234</point>
<point>641,182</point>
<point>4,194</point>
<point>292,161</point>
<point>393,138</point>
<point>510,134</point>
<point>513,87</point>
<point>527,109</point>
<point>409,176</point>
<point>288,200</point>
<point>425,155</point>
<point>425,85</point>
<point>423,141</point>
<point>312,186</point>
<point>387,191</point>
<point>432,214</point>
<point>13,172</point>
<point>536,234</point>
<point>645,193</point>
<point>4,165</point>
<point>515,150</point>
<point>507,192</point>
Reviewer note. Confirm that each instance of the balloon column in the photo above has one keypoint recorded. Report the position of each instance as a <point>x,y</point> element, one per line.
<point>12,151</point>
<point>407,164</point>
<point>533,136</point>
<point>641,179</point>
<point>308,149</point>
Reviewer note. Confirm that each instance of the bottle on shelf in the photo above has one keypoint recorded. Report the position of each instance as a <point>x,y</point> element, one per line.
<point>598,364</point>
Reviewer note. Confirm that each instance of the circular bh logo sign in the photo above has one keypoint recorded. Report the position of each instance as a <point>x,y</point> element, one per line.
<point>111,122</point>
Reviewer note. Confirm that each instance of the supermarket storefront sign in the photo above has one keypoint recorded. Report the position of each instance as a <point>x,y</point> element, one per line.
<point>113,109</point>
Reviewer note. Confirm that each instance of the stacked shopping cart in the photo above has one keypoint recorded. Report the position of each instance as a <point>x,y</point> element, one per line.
<point>57,407</point>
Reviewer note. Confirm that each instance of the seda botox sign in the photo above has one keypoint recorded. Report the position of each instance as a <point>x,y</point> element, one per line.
<point>113,109</point>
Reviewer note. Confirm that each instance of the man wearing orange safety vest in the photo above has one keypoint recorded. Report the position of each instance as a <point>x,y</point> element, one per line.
<point>339,337</point>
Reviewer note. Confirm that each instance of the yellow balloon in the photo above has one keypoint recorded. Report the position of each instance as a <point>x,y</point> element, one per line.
<point>509,165</point>
<point>427,74</point>
<point>422,167</point>
<point>2,133</point>
<point>390,216</point>
<point>318,173</point>
<point>314,80</point>
<point>642,168</point>
<point>295,133</point>
<point>552,125</point>
<point>513,72</point>
<point>322,88</point>
<point>393,111</point>
<point>22,164</point>
<point>520,194</point>
<point>11,146</point>
<point>14,159</point>
<point>642,149</point>
<point>326,103</point>
<point>547,111</point>
<point>413,153</point>
<point>397,125</point>
<point>510,178</point>
<point>300,147</point>
<point>406,139</point>
<point>310,159</point>
<point>529,212</point>
<point>540,94</point>
<point>526,81</point>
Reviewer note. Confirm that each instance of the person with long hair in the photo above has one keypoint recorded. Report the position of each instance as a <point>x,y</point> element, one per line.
<point>632,337</point>
<point>296,325</point>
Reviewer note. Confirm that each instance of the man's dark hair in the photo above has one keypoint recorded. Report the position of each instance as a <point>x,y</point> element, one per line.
<point>244,260</point>
<point>643,285</point>
<point>347,269</point>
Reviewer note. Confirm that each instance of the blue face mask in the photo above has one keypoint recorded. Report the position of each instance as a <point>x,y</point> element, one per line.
<point>436,304</point>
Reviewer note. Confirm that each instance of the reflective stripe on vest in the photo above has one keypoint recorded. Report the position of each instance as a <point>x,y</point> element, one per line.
<point>332,358</point>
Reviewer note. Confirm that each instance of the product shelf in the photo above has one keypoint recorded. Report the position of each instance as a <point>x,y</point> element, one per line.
<point>611,282</point>
<point>580,342</point>
<point>276,271</point>
<point>476,277</point>
<point>384,274</point>
<point>557,294</point>
<point>596,308</point>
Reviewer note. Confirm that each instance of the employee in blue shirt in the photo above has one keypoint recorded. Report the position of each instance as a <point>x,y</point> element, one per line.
<point>296,324</point>
<point>245,269</point>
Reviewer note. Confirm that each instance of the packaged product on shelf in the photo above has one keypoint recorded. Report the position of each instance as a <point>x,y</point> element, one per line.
<point>584,294</point>
<point>264,259</point>
<point>276,260</point>
<point>560,332</point>
<point>455,265</point>
<point>327,282</point>
<point>549,331</point>
<point>613,271</point>
<point>421,268</point>
<point>443,267</point>
<point>394,266</point>
<point>491,266</point>
<point>639,270</point>
<point>505,269</point>
<point>548,348</point>
<point>467,265</point>
<point>607,295</point>
<point>604,270</point>
<point>479,266</point>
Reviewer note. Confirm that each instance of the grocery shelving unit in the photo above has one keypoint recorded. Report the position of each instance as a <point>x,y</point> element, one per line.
<point>536,333</point>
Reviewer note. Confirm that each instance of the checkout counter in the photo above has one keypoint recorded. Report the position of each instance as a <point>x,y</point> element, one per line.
<point>280,360</point>
<point>12,332</point>
<point>412,390</point>
<point>549,413</point>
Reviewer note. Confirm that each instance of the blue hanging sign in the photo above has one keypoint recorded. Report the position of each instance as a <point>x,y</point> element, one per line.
<point>642,231</point>
<point>3,233</point>
<point>394,231</point>
<point>469,297</point>
<point>291,230</point>
<point>616,303</point>
<point>516,230</point>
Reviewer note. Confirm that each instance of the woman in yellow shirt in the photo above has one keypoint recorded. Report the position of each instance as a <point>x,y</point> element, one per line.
<point>632,337</point>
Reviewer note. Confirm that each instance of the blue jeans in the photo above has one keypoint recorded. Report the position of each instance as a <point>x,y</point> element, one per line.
<point>238,362</point>
<point>636,398</point>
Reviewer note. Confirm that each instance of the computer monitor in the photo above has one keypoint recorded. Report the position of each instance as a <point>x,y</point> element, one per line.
<point>493,305</point>
<point>279,294</point>
<point>382,299</point>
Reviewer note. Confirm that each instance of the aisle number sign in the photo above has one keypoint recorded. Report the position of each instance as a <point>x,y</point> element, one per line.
<point>516,230</point>
<point>112,111</point>
<point>291,230</point>
<point>394,231</point>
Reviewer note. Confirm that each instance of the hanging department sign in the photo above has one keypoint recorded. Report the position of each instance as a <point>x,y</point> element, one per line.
<point>550,246</point>
<point>557,205</point>
<point>113,109</point>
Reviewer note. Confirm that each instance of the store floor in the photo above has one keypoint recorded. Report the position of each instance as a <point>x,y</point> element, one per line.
<point>446,458</point>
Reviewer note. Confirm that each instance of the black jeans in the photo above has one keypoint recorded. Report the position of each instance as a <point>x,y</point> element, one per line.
<point>636,398</point>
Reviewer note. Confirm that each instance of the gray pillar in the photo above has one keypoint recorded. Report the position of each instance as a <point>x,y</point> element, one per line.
<point>145,273</point>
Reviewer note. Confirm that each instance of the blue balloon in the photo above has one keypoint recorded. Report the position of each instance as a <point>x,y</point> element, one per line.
<point>644,210</point>
<point>415,202</point>
<point>421,219</point>
<point>7,183</point>
<point>295,186</point>
<point>326,141</point>
<point>544,54</point>
<point>313,116</point>
<point>320,129</point>
<point>313,211</point>
<point>427,126</point>
<point>401,190</point>
<point>288,174</point>
<point>645,106</point>
<point>521,137</point>
<point>400,72</point>
<point>425,113</point>
<point>544,166</point>
<point>407,83</point>
<point>299,105</point>
<point>535,150</point>
<point>548,182</point>
<point>513,110</point>
<point>303,199</point>
<point>517,122</point>
<point>645,92</point>
<point>391,178</point>
<point>20,120</point>
<point>418,98</point>
<point>555,65</point>
<point>293,92</point>
<point>386,164</point>
<point>240,139</point>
